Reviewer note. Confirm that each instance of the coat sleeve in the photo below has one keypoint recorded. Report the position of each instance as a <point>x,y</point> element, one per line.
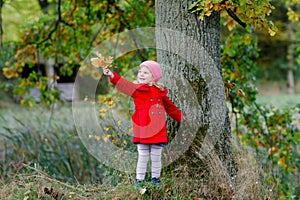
<point>123,85</point>
<point>172,110</point>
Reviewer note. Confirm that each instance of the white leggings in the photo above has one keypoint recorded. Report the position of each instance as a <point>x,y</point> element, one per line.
<point>145,150</point>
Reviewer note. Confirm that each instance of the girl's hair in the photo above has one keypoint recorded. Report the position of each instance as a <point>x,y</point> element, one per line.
<point>156,84</point>
<point>159,86</point>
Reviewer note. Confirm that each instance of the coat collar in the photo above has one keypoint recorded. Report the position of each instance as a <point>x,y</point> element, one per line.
<point>142,87</point>
<point>146,87</point>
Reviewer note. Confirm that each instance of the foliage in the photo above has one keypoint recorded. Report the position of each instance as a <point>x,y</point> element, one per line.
<point>68,36</point>
<point>239,54</point>
<point>274,136</point>
<point>292,13</point>
<point>270,132</point>
<point>250,14</point>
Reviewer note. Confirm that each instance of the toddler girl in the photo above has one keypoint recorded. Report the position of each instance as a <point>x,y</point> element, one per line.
<point>149,120</point>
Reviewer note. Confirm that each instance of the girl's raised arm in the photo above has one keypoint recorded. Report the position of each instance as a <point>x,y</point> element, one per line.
<point>121,84</point>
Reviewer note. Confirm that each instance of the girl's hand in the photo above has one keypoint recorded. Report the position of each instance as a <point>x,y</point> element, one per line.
<point>107,72</point>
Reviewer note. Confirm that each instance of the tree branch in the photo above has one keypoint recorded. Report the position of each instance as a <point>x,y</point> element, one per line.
<point>57,22</point>
<point>238,20</point>
<point>231,14</point>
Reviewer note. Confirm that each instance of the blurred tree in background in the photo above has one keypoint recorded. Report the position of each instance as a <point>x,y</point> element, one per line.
<point>278,54</point>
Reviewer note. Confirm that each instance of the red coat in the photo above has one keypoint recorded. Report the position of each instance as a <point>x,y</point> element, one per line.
<point>151,104</point>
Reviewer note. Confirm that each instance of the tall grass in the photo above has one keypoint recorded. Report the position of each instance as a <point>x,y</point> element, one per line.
<point>58,166</point>
<point>49,140</point>
<point>183,182</point>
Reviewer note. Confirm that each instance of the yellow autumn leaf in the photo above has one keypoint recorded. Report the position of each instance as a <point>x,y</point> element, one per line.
<point>7,63</point>
<point>9,73</point>
<point>271,32</point>
<point>282,162</point>
<point>22,101</point>
<point>210,5</point>
<point>106,138</point>
<point>102,110</point>
<point>38,85</point>
<point>115,141</point>
<point>54,77</point>
<point>230,23</point>
<point>64,14</point>
<point>259,144</point>
<point>267,11</point>
<point>292,15</point>
<point>31,50</point>
<point>272,150</point>
<point>247,40</point>
<point>208,13</point>
<point>276,155</point>
<point>97,62</point>
<point>101,61</point>
<point>23,83</point>
<point>216,7</point>
<point>240,93</point>
<point>103,115</point>
<point>97,137</point>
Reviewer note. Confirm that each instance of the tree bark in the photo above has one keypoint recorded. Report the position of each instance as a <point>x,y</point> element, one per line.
<point>290,57</point>
<point>190,47</point>
<point>44,5</point>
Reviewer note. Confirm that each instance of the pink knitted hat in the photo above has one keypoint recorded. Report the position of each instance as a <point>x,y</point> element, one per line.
<point>154,67</point>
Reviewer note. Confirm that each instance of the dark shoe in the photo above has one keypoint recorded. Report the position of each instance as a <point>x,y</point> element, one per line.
<point>155,181</point>
<point>139,183</point>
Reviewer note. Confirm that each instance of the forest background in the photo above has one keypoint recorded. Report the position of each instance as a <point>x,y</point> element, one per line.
<point>43,157</point>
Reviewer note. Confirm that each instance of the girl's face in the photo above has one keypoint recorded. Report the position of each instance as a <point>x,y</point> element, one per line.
<point>144,75</point>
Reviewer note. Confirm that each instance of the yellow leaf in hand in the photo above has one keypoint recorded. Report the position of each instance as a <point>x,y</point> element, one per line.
<point>101,61</point>
<point>97,62</point>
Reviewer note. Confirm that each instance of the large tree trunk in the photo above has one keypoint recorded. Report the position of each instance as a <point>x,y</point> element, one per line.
<point>190,48</point>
